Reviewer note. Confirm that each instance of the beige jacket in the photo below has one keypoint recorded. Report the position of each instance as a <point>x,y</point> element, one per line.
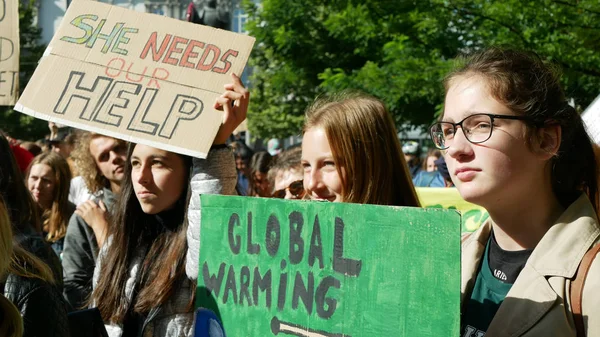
<point>538,304</point>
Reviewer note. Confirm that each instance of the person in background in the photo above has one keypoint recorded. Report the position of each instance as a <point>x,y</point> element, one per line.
<point>412,155</point>
<point>429,175</point>
<point>242,154</point>
<point>514,146</point>
<point>32,147</point>
<point>259,169</point>
<point>350,153</point>
<point>11,323</point>
<point>286,175</point>
<point>48,178</point>
<point>33,281</point>
<point>442,168</point>
<point>24,213</point>
<point>429,163</point>
<point>101,161</point>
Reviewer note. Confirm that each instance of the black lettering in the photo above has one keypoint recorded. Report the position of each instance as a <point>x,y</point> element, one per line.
<point>321,298</point>
<point>282,290</point>
<point>74,90</point>
<point>230,287</point>
<point>184,108</point>
<point>341,264</point>
<point>253,248</point>
<point>304,292</point>
<point>244,284</point>
<point>264,283</point>
<point>296,241</point>
<point>235,242</point>
<point>212,282</point>
<point>115,99</point>
<point>273,235</point>
<point>316,245</point>
<point>138,122</point>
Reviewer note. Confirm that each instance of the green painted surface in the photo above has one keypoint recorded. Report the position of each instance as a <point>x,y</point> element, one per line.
<point>359,270</point>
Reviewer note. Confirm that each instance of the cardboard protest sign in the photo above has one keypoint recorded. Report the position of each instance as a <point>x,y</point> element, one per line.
<point>591,118</point>
<point>136,76</point>
<point>297,268</point>
<point>9,52</point>
<point>473,216</point>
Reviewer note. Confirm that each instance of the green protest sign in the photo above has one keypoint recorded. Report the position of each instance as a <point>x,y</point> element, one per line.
<point>297,268</point>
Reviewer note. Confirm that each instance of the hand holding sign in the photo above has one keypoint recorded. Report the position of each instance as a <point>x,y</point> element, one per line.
<point>234,113</point>
<point>149,84</point>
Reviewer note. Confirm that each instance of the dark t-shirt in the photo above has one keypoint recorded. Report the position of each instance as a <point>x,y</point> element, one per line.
<point>498,271</point>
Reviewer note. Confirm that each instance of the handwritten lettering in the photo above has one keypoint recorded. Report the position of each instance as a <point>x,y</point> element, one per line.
<point>112,40</point>
<point>182,52</point>
<point>109,102</point>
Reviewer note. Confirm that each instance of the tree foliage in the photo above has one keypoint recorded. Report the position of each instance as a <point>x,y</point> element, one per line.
<point>401,50</point>
<point>14,123</point>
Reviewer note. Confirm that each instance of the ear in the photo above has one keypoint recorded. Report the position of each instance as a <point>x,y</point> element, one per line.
<point>549,138</point>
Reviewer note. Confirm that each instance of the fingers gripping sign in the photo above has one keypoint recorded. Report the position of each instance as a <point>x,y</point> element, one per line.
<point>234,103</point>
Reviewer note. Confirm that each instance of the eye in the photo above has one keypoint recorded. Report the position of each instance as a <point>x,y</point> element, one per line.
<point>329,163</point>
<point>135,163</point>
<point>306,166</point>
<point>483,125</point>
<point>103,157</point>
<point>157,163</point>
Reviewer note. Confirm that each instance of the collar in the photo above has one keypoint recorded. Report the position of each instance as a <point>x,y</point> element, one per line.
<point>560,251</point>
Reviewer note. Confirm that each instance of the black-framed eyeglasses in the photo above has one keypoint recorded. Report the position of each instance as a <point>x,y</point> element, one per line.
<point>296,189</point>
<point>477,129</point>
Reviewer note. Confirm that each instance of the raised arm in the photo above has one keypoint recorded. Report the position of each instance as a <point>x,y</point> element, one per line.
<point>216,174</point>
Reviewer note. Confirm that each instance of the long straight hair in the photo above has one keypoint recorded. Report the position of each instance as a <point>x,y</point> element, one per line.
<point>364,143</point>
<point>162,267</point>
<point>57,216</point>
<point>11,324</point>
<point>22,209</point>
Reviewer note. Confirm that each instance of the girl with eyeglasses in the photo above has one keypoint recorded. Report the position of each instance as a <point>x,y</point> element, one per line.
<point>514,146</point>
<point>351,153</point>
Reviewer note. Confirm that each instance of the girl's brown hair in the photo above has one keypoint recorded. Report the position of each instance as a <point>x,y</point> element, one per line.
<point>162,267</point>
<point>57,216</point>
<point>365,145</point>
<point>525,84</point>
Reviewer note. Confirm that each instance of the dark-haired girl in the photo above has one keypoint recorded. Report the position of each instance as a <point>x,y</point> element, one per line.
<point>144,282</point>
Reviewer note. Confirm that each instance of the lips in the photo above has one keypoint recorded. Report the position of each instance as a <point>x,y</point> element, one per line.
<point>465,174</point>
<point>119,169</point>
<point>145,194</point>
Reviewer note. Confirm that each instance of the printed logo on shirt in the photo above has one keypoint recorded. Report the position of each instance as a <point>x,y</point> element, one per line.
<point>473,332</point>
<point>499,274</point>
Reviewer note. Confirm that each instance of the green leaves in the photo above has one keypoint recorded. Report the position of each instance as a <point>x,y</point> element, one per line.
<point>400,51</point>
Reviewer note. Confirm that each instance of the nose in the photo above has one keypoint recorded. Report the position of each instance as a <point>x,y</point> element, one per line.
<point>312,180</point>
<point>56,149</point>
<point>37,184</point>
<point>143,175</point>
<point>460,145</point>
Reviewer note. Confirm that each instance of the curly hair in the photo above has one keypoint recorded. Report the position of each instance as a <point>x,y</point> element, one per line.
<point>86,164</point>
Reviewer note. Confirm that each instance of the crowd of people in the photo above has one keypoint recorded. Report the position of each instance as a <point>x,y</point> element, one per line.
<point>91,221</point>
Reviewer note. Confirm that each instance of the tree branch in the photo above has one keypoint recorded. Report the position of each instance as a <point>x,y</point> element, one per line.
<point>496,21</point>
<point>564,3</point>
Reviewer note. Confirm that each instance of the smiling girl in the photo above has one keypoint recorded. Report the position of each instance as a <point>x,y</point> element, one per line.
<point>514,146</point>
<point>351,153</point>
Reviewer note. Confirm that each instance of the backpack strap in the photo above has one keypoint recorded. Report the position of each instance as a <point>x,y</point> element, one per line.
<point>577,288</point>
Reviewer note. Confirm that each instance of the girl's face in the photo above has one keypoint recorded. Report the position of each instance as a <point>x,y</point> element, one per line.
<point>431,163</point>
<point>497,170</point>
<point>158,177</point>
<point>321,178</point>
<point>41,184</point>
<point>261,184</point>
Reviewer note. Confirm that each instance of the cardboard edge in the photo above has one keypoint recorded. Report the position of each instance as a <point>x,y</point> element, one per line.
<point>196,154</point>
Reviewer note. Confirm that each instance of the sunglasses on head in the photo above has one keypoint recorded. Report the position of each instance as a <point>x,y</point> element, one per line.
<point>296,189</point>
